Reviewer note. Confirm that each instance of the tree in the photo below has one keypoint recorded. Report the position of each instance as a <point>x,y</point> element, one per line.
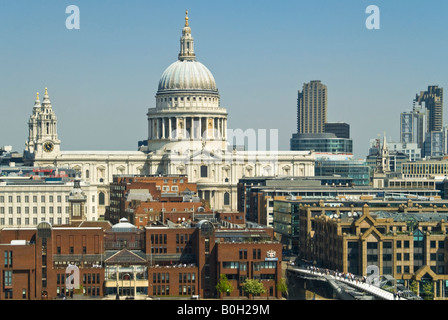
<point>253,287</point>
<point>282,286</point>
<point>224,286</point>
<point>413,286</point>
<point>428,290</point>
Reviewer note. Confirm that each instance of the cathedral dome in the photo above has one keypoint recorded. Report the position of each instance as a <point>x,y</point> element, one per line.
<point>187,75</point>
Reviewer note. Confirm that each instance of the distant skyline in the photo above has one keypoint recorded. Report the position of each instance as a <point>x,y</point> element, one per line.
<point>103,77</point>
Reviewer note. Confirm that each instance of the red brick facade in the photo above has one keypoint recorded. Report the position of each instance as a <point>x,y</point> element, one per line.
<point>167,261</point>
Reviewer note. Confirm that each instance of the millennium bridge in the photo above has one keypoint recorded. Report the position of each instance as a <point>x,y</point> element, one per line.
<point>351,287</point>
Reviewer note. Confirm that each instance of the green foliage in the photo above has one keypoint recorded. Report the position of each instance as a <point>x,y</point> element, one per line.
<point>253,287</point>
<point>413,286</point>
<point>428,290</point>
<point>282,286</point>
<point>224,285</point>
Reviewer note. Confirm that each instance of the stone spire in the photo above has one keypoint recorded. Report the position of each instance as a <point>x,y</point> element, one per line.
<point>46,103</point>
<point>186,42</point>
<point>37,103</point>
<point>383,165</point>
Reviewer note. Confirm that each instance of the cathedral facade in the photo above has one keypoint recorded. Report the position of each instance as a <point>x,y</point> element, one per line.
<point>187,135</point>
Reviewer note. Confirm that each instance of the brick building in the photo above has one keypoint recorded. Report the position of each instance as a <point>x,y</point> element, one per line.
<point>122,259</point>
<point>36,260</point>
<point>127,189</point>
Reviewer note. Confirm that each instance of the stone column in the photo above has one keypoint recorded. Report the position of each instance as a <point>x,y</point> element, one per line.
<point>169,128</point>
<point>224,127</point>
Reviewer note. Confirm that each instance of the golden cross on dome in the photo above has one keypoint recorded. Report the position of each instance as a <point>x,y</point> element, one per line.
<point>186,18</point>
<point>46,91</point>
<point>37,95</point>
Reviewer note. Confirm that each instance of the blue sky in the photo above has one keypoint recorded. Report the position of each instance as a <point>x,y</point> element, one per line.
<point>103,77</point>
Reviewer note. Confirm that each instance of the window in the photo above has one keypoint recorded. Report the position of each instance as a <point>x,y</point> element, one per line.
<point>204,171</point>
<point>372,245</point>
<point>8,259</point>
<point>226,199</point>
<point>101,199</point>
<point>7,278</point>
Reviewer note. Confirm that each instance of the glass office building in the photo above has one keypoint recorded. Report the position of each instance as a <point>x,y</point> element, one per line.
<point>358,170</point>
<point>321,142</point>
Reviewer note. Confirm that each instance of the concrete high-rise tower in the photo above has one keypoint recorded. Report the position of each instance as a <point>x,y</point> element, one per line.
<point>433,99</point>
<point>312,108</point>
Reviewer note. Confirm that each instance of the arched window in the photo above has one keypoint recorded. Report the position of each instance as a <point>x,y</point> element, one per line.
<point>87,174</point>
<point>101,198</point>
<point>226,199</point>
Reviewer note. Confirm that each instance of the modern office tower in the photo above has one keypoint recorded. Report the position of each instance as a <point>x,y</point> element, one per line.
<point>414,124</point>
<point>312,108</point>
<point>340,129</point>
<point>433,99</point>
<point>435,144</point>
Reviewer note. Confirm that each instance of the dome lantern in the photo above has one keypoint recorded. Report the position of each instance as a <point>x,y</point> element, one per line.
<point>186,43</point>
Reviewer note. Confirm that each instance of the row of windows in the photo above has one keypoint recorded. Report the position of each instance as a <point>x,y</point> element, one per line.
<point>164,290</point>
<point>164,209</point>
<point>400,257</point>
<point>90,291</point>
<point>26,221</point>
<point>163,249</point>
<point>399,243</point>
<point>188,99</point>
<point>34,198</point>
<point>87,278</point>
<point>184,277</point>
<point>35,210</point>
<point>256,254</point>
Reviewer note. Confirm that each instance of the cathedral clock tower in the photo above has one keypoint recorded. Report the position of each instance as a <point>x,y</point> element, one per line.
<point>43,139</point>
